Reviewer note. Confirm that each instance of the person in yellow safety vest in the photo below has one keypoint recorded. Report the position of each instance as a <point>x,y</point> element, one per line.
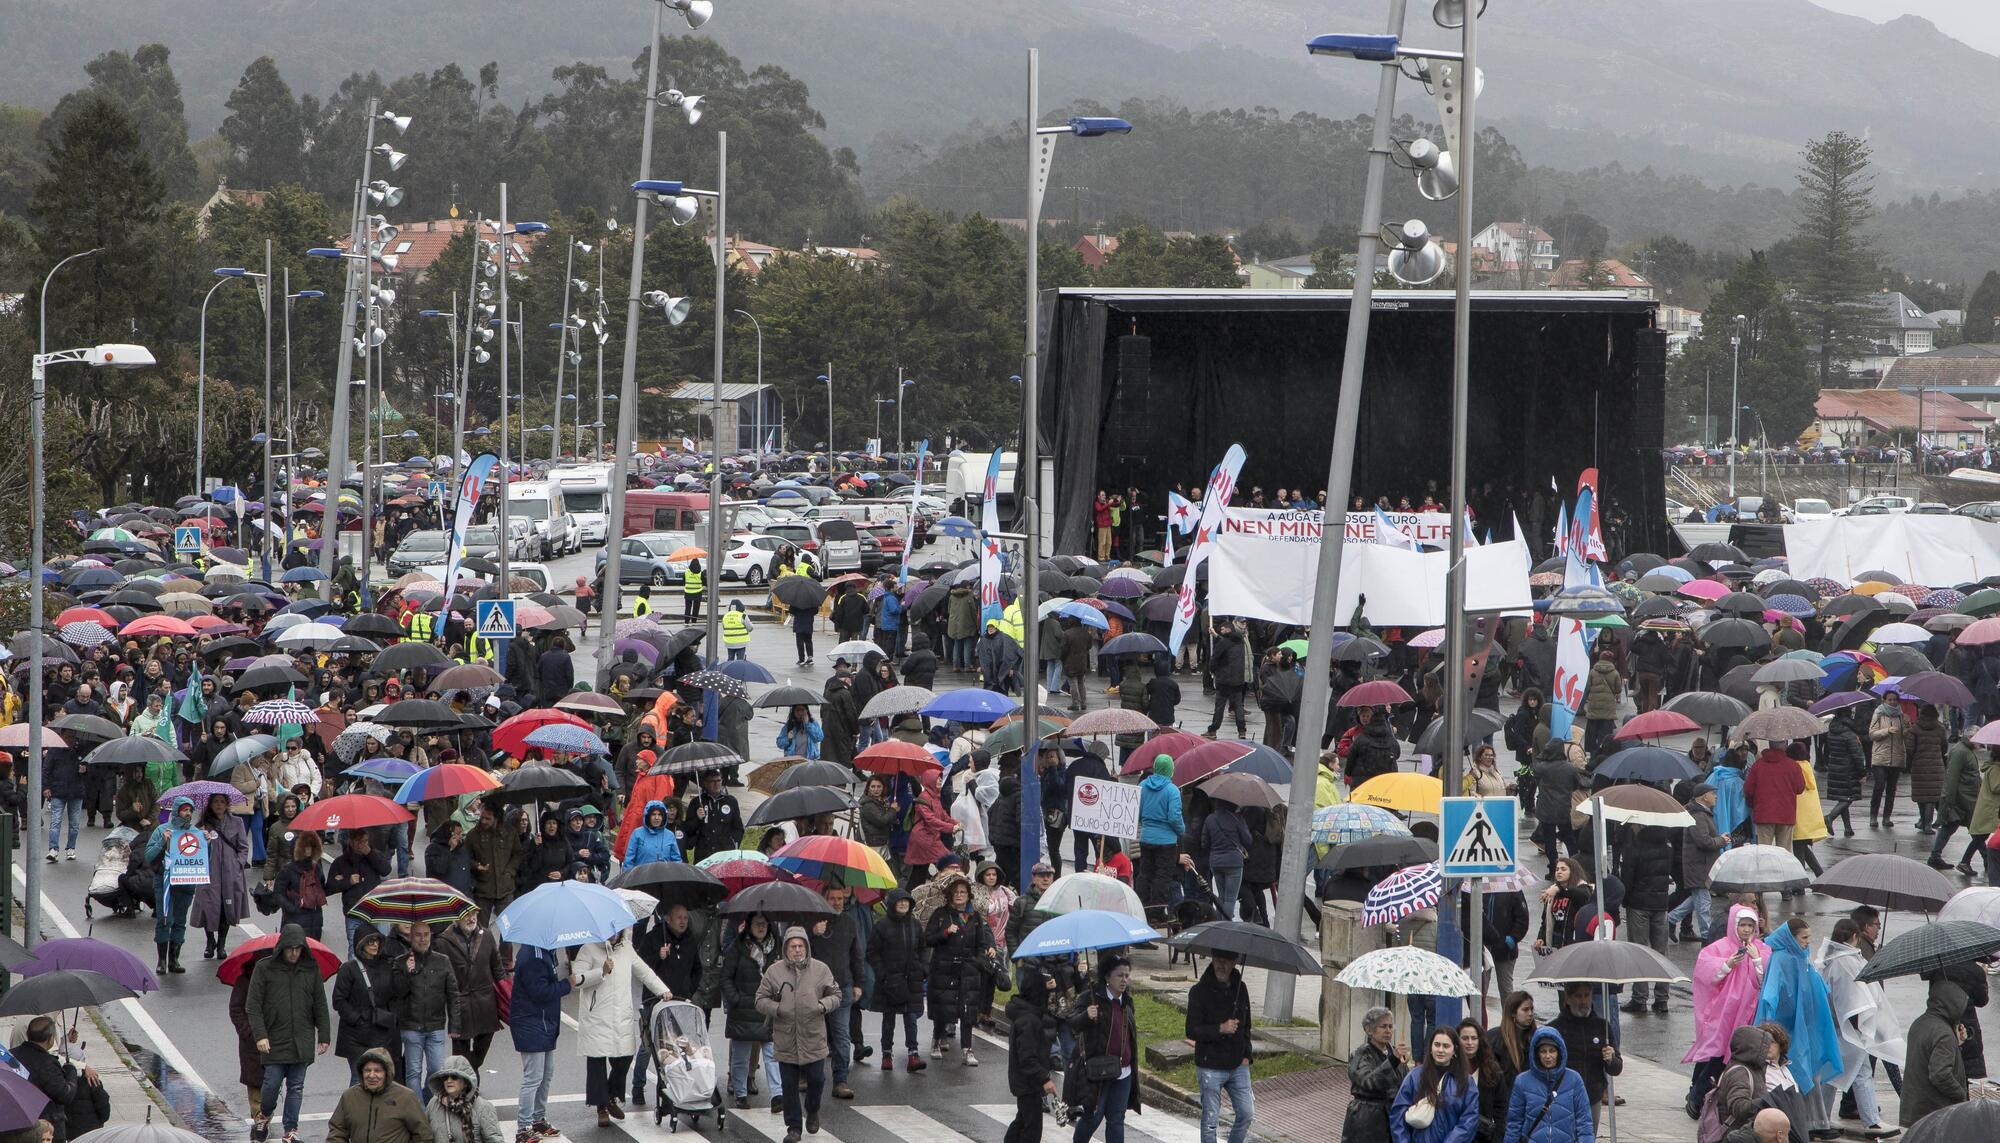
<point>736,630</point>
<point>1010,623</point>
<point>478,649</point>
<point>691,591</point>
<point>420,625</point>
<point>642,604</point>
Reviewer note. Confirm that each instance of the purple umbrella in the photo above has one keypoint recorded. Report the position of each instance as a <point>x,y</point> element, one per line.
<point>1121,587</point>
<point>200,792</point>
<point>21,1102</point>
<point>1159,608</point>
<point>1935,686</point>
<point>639,647</point>
<point>915,587</point>
<point>1118,609</point>
<point>92,955</point>
<point>1840,700</point>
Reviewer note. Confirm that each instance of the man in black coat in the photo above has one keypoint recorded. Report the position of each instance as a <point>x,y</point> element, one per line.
<point>715,821</point>
<point>1031,1039</point>
<point>1230,661</point>
<point>52,1075</point>
<point>837,944</point>
<point>1218,1021</point>
<point>1646,867</point>
<point>1502,929</point>
<point>670,943</point>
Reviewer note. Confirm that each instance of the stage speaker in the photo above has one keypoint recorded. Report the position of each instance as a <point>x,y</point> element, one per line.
<point>1649,374</point>
<point>1129,421</point>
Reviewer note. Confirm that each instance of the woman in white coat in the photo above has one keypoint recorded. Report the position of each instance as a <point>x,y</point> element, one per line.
<point>608,1024</point>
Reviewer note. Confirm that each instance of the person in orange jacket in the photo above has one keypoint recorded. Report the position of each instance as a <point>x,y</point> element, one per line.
<point>647,788</point>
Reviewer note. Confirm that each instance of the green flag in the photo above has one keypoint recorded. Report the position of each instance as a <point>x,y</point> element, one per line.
<point>194,708</point>
<point>288,732</point>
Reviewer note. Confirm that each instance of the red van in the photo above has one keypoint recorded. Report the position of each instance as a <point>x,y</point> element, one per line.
<point>663,510</point>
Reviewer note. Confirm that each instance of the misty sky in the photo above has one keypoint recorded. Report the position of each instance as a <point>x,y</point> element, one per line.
<point>1974,22</point>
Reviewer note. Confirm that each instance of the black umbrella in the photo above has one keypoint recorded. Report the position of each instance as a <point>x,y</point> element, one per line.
<point>373,625</point>
<point>1393,850</point>
<point>28,643</point>
<point>787,696</point>
<point>133,750</point>
<point>1641,562</point>
<point>1740,603</point>
<point>352,645</point>
<point>1977,1119</point>
<point>1850,604</point>
<point>1606,962</point>
<point>405,657</point>
<point>61,989</point>
<point>422,713</point>
<point>1929,948</point>
<point>1253,945</point>
<point>1790,587</point>
<point>785,900</point>
<point>1479,723</point>
<point>1886,881</point>
<point>804,802</point>
<point>799,593</point>
<point>929,600</point>
<point>674,883</point>
<point>272,677</point>
<point>229,647</point>
<point>815,773</point>
<point>1718,553</point>
<point>681,640</point>
<point>536,784</point>
<point>1357,650</point>
<point>693,757</point>
<point>1737,633</point>
<point>87,726</point>
<point>1709,708</point>
<point>1917,672</point>
<point>13,954</point>
<point>1740,683</point>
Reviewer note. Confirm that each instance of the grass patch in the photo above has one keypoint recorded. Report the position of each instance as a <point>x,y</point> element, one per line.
<point>1261,1067</point>
<point>1159,1020</point>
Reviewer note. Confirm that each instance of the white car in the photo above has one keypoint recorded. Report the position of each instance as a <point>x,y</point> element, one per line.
<point>751,558</point>
<point>1811,510</point>
<point>1878,505</point>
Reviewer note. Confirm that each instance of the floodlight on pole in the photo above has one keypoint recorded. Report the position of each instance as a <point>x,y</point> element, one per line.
<point>396,158</point>
<point>382,194</point>
<point>400,122</point>
<point>1436,170</point>
<point>696,12</point>
<point>689,105</point>
<point>1415,258</point>
<point>676,309</point>
<point>1451,13</point>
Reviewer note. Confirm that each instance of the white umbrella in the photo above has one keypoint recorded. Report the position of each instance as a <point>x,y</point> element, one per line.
<point>1074,891</point>
<point>1757,869</point>
<point>1407,971</point>
<point>1978,903</point>
<point>1899,633</point>
<point>317,636</point>
<point>897,700</point>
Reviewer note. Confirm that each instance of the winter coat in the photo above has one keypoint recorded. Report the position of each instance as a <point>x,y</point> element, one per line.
<point>1934,1069</point>
<point>1646,865</point>
<point>391,1115</point>
<point>477,968</point>
<point>53,1077</point>
<point>1739,1090</point>
<point>1161,695</point>
<point>607,1022</point>
<point>1211,1003</point>
<point>899,958</point>
<point>1700,846</point>
<point>650,843</point>
<point>1986,811</point>
<point>293,884</point>
<point>930,825</point>
<point>426,996</point>
<point>1560,1090</point>
<point>1890,733</point>
<point>364,1002</point>
<point>1030,1043</point>
<point>534,1017</point>
<point>356,874</point>
<point>796,996</point>
<point>249,1061</point>
<point>1584,1038</point>
<point>478,1123</point>
<point>1844,761</point>
<point>1373,1078</point>
<point>1928,741</point>
<point>1455,1120</point>
<point>1229,659</point>
<point>840,721</point>
<point>878,821</point>
<point>499,850</point>
<point>839,949</point>
<point>956,972</point>
<point>225,900</point>
<point>1093,1038</point>
<point>451,866</point>
<point>1224,838</point>
<point>1373,751</point>
<point>1773,784</point>
<point>1160,821</point>
<point>742,971</point>
<point>803,742</point>
<point>675,959</point>
<point>1961,784</point>
<point>1809,819</point>
<point>961,614</point>
<point>919,667</point>
<point>1558,773</point>
<point>999,659</point>
<point>287,1003</point>
<point>1601,693</point>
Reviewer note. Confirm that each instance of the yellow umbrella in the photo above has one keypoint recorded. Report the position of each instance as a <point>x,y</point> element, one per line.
<point>1871,587</point>
<point>1411,793</point>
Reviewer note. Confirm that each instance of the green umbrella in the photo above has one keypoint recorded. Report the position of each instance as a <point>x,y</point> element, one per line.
<point>1985,601</point>
<point>113,534</point>
<point>1295,646</point>
<point>1008,738</point>
<point>1606,621</point>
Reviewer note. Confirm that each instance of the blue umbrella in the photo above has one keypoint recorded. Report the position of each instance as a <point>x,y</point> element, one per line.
<point>958,528</point>
<point>1648,764</point>
<point>1790,604</point>
<point>972,704</point>
<point>565,914</point>
<point>1083,930</point>
<point>1088,616</point>
<point>302,575</point>
<point>566,739</point>
<point>745,671</point>
<point>384,769</point>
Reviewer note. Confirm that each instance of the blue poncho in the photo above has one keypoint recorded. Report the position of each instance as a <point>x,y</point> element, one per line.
<point>1796,998</point>
<point>1732,809</point>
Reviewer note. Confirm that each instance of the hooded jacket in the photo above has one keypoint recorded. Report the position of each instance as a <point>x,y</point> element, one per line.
<point>607,1021</point>
<point>473,1120</point>
<point>650,842</point>
<point>1739,1090</point>
<point>1560,1090</point>
<point>1934,1070</point>
<point>391,1115</point>
<point>929,824</point>
<point>1797,998</point>
<point>1211,1003</point>
<point>287,1003</point>
<point>499,850</point>
<point>1773,785</point>
<point>956,960</point>
<point>795,996</point>
<point>1160,821</point>
<point>1031,1037</point>
<point>1961,784</point>
<point>1928,740</point>
<point>898,957</point>
<point>1844,761</point>
<point>1583,1039</point>
<point>1373,750</point>
<point>476,965</point>
<point>1600,695</point>
<point>364,1000</point>
<point>535,1016</point>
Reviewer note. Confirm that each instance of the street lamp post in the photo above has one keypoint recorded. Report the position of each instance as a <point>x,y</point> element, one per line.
<point>291,435</point>
<point>827,377</point>
<point>228,274</point>
<point>757,413</point>
<point>1027,483</point>
<point>902,400</point>
<point>697,13</point>
<point>1735,402</point>
<point>879,402</point>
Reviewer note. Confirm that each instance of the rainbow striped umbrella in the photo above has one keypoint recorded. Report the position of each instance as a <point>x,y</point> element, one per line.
<point>835,861</point>
<point>412,900</point>
<point>446,781</point>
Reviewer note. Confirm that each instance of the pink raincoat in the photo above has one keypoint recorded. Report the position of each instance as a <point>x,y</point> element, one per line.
<point>1722,1003</point>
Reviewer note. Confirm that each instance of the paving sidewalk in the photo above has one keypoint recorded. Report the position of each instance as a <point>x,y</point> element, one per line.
<point>133,1097</point>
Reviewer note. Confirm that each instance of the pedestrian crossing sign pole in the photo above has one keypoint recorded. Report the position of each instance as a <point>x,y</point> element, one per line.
<point>187,540</point>
<point>494,619</point>
<point>1481,836</point>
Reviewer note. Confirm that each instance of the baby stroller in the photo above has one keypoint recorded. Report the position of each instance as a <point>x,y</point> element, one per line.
<point>113,883</point>
<point>683,1067</point>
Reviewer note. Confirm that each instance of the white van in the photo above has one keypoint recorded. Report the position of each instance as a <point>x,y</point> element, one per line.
<point>586,489</point>
<point>541,504</point>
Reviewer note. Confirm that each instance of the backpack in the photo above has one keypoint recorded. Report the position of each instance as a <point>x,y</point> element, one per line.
<point>1710,1127</point>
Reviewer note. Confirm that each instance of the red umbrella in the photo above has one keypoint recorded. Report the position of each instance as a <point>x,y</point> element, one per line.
<point>1172,743</point>
<point>157,625</point>
<point>1656,724</point>
<point>512,734</point>
<point>1377,692</point>
<point>351,811</point>
<point>86,615</point>
<point>1207,759</point>
<point>742,873</point>
<point>896,757</point>
<point>232,966</point>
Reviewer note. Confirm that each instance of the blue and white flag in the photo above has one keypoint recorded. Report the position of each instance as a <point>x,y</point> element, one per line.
<point>1214,502</point>
<point>470,487</point>
<point>1389,535</point>
<point>990,606</point>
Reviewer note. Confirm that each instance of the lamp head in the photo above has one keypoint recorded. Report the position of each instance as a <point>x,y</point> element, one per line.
<point>585,247</point>
<point>825,378</point>
<point>1451,13</point>
<point>1375,48</point>
<point>696,12</point>
<point>1091,126</point>
<point>396,158</point>
<point>531,227</point>
<point>480,355</point>
<point>400,122</point>
<point>121,355</point>
<point>690,105</point>
<point>1415,258</point>
<point>230,272</point>
<point>326,252</point>
<point>1437,171</point>
<point>389,262</point>
<point>310,294</point>
<point>676,309</point>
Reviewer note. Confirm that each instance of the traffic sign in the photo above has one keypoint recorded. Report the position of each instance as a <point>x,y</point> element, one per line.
<point>1481,836</point>
<point>187,539</point>
<point>495,619</point>
<point>437,489</point>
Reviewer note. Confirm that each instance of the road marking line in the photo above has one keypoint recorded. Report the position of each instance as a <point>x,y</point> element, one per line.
<point>909,1123</point>
<point>511,1101</point>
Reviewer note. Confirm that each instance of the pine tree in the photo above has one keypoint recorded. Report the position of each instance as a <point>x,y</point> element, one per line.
<point>1981,309</point>
<point>101,191</point>
<point>263,128</point>
<point>144,87</point>
<point>1836,264</point>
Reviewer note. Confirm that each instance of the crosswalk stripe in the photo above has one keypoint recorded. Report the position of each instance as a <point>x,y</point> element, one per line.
<point>904,1122</point>
<point>760,1120</point>
<point>1151,1122</point>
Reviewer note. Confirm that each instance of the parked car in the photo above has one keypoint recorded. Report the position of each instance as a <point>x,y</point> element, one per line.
<point>1877,505</point>
<point>483,540</point>
<point>888,541</point>
<point>1988,510</point>
<point>1810,509</point>
<point>1930,508</point>
<point>834,544</point>
<point>643,558</point>
<point>418,550</point>
<point>751,558</point>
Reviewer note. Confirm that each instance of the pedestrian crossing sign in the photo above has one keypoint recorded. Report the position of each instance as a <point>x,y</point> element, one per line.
<point>437,489</point>
<point>1481,836</point>
<point>495,619</point>
<point>187,540</point>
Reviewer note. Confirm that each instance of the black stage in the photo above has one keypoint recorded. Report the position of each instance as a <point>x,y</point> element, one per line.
<point>1147,388</point>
